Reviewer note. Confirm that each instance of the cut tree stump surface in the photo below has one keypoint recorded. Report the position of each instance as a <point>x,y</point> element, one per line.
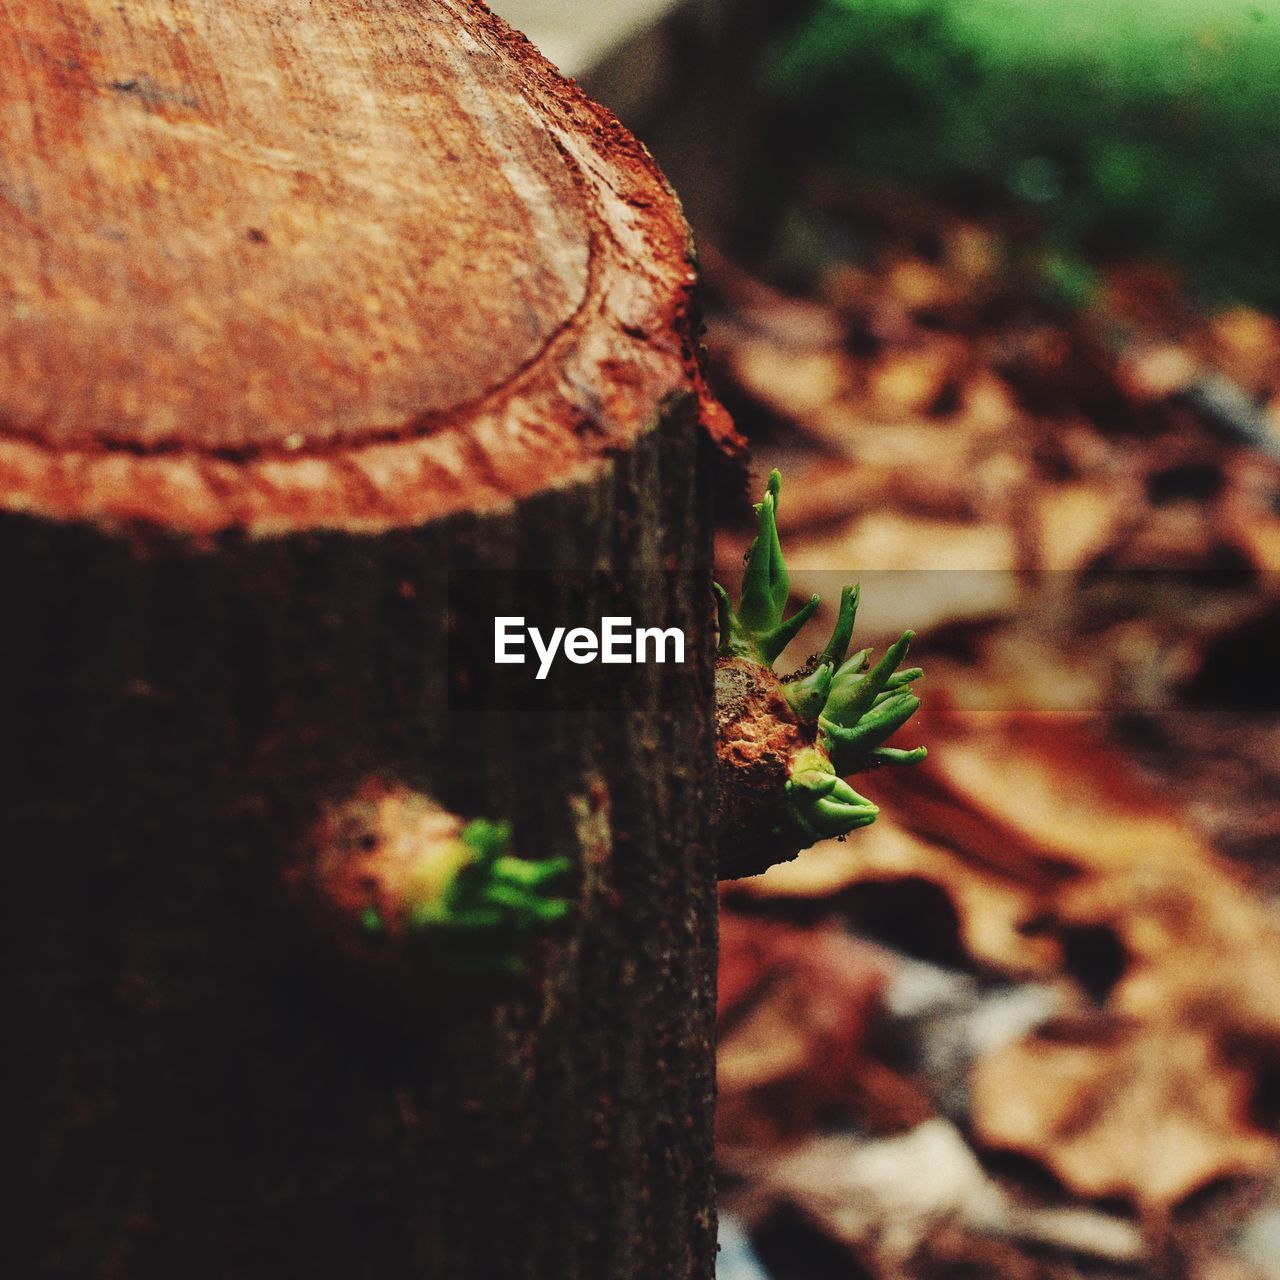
<point>289,265</point>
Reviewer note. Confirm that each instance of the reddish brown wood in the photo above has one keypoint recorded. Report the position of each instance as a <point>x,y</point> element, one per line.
<point>353,264</point>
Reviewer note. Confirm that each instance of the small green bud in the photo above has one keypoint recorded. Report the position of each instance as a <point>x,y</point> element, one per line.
<point>400,875</point>
<point>808,695</point>
<point>783,746</point>
<point>820,805</point>
<point>757,628</point>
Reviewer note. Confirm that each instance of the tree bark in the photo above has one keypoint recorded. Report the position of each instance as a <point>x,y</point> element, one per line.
<point>333,332</point>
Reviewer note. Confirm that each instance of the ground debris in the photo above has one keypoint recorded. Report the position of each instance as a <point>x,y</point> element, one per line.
<point>1027,1024</point>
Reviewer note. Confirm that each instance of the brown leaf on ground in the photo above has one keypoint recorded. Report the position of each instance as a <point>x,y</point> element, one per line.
<point>999,821</point>
<point>989,908</point>
<point>895,600</point>
<point>793,321</point>
<point>920,286</point>
<point>1146,1113</point>
<point>1154,371</point>
<point>1197,946</point>
<point>1019,670</point>
<point>796,384</point>
<point>1244,344</point>
<point>1058,858</point>
<point>914,381</point>
<point>1045,799</point>
<point>1250,513</point>
<point>1034,829</point>
<point>891,541</point>
<point>920,1204</point>
<point>1076,522</point>
<point>796,1011</point>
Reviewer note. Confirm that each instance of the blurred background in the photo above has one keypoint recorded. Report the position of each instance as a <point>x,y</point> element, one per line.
<point>996,284</point>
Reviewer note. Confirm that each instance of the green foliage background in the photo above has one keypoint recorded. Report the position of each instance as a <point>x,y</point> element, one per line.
<point>1147,127</point>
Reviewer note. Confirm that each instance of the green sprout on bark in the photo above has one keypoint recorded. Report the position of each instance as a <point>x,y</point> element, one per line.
<point>846,707</point>
<point>757,628</point>
<point>476,910</point>
<point>819,804</point>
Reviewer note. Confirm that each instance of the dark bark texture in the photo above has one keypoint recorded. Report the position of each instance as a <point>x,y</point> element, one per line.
<point>200,1088</point>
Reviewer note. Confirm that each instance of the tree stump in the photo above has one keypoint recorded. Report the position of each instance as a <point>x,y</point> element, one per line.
<point>331,330</point>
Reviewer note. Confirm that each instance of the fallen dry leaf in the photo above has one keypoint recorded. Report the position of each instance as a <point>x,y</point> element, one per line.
<point>871,1196</point>
<point>1250,514</point>
<point>1200,948</point>
<point>876,1198</point>
<point>1076,522</point>
<point>796,1009</point>
<point>987,406</point>
<point>919,285</point>
<point>907,383</point>
<point>1019,670</point>
<point>896,542</point>
<point>1042,797</point>
<point>1146,1113</point>
<point>795,384</point>
<point>989,908</point>
<point>1244,344</point>
<point>1154,371</point>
